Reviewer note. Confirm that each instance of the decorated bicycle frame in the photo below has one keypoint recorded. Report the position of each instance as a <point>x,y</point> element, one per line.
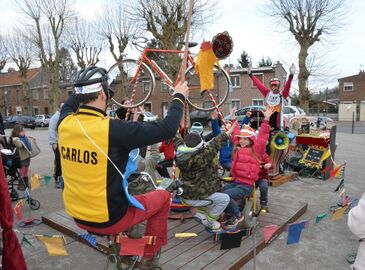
<point>142,73</point>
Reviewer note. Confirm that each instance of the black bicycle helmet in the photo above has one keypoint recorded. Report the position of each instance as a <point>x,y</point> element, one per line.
<point>90,79</point>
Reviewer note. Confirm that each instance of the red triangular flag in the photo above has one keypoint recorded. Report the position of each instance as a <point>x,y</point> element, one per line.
<point>335,171</point>
<point>269,231</point>
<point>132,247</point>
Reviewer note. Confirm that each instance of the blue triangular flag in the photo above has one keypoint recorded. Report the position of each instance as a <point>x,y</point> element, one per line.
<point>294,232</point>
<point>353,203</point>
<point>89,238</point>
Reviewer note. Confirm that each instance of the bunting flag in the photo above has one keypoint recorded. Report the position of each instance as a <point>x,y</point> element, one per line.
<point>18,210</point>
<point>294,232</point>
<point>89,238</point>
<point>47,179</point>
<point>353,203</point>
<point>320,217</point>
<point>336,171</point>
<point>132,246</point>
<point>25,240</point>
<point>36,181</point>
<point>55,244</point>
<point>269,231</point>
<point>338,214</point>
<point>183,235</point>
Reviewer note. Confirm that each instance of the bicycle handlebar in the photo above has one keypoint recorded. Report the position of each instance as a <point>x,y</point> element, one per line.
<point>139,43</point>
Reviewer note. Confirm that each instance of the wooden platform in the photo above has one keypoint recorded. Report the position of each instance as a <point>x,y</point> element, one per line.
<point>199,252</point>
<point>282,178</point>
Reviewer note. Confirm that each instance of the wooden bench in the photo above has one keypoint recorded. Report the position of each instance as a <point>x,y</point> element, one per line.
<point>200,252</point>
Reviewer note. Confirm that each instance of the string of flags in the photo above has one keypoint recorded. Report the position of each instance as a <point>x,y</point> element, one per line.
<point>335,212</point>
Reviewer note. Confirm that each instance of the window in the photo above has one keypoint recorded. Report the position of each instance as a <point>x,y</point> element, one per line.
<point>348,86</point>
<point>165,87</point>
<point>236,81</point>
<point>258,102</point>
<point>146,86</point>
<point>259,76</point>
<point>148,107</point>
<point>46,110</point>
<point>236,103</point>
<point>69,92</point>
<point>35,94</point>
<point>36,110</point>
<point>45,94</point>
<point>208,104</point>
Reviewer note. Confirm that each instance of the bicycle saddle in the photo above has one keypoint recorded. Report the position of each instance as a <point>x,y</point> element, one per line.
<point>190,44</point>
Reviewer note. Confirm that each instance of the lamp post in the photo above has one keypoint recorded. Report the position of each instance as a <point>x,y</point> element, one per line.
<point>5,102</point>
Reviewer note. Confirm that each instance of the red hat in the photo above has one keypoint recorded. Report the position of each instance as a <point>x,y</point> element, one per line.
<point>247,132</point>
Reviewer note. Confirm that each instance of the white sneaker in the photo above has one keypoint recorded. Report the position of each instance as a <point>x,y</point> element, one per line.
<point>211,223</point>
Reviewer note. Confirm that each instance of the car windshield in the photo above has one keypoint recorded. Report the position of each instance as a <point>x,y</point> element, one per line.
<point>148,114</point>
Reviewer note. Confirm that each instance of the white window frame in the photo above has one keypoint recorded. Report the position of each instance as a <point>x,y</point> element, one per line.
<point>348,84</point>
<point>148,84</point>
<point>233,80</point>
<point>45,94</point>
<point>260,100</point>
<point>257,75</point>
<point>234,102</point>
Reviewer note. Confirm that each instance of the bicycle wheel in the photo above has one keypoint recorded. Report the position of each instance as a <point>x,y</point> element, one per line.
<point>130,80</point>
<point>222,86</point>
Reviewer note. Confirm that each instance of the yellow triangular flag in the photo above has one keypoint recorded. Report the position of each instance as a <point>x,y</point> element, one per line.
<point>338,214</point>
<point>36,181</point>
<point>182,235</point>
<point>55,244</point>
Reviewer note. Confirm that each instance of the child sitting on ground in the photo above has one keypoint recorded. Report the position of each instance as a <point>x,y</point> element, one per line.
<point>245,165</point>
<point>200,178</point>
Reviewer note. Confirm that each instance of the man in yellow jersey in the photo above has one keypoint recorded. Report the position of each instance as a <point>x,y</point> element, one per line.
<point>95,153</point>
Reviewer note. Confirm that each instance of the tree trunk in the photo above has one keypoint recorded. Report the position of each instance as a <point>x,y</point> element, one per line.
<point>303,78</point>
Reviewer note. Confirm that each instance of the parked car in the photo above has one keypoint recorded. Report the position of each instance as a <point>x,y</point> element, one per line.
<point>42,120</point>
<point>24,120</point>
<point>148,116</point>
<point>290,111</point>
<point>201,117</point>
<point>240,113</point>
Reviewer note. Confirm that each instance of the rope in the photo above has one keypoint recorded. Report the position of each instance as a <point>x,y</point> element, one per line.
<point>218,110</point>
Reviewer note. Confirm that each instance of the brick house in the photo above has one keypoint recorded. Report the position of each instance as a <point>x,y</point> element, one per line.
<point>25,97</point>
<point>352,97</point>
<point>14,96</point>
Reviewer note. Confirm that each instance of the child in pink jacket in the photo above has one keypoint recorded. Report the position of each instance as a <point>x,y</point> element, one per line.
<point>245,165</point>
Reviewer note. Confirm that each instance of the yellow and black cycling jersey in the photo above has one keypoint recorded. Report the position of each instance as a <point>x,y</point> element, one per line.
<point>93,193</point>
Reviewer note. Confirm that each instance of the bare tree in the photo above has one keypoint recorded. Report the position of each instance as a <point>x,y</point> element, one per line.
<point>85,42</point>
<point>3,53</point>
<point>22,52</point>
<point>309,21</point>
<point>166,20</point>
<point>115,26</point>
<point>48,21</point>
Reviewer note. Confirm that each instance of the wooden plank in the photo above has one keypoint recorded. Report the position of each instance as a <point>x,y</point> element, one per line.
<point>59,226</point>
<point>282,179</point>
<point>199,252</point>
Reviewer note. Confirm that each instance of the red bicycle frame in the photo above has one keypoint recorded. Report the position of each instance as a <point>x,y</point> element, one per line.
<point>157,69</point>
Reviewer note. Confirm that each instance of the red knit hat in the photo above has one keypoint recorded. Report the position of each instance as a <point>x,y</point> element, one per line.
<point>247,132</point>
